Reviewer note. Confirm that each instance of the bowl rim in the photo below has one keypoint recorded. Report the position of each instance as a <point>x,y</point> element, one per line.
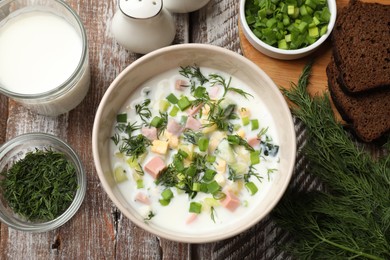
<point>159,232</point>
<point>81,181</point>
<point>308,49</point>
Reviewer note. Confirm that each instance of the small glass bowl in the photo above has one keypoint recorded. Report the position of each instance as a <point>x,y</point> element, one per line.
<point>16,149</point>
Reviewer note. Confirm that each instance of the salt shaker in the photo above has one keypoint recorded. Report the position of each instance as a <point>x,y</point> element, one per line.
<point>184,6</point>
<point>142,26</point>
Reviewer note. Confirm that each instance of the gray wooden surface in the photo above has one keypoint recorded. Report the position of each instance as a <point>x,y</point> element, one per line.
<point>99,230</point>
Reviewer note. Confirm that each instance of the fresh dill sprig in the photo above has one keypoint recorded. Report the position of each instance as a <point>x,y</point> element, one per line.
<point>193,72</point>
<point>134,145</point>
<point>221,116</point>
<point>191,136</point>
<point>143,111</point>
<point>352,218</point>
<point>251,172</point>
<point>216,79</point>
<point>163,123</point>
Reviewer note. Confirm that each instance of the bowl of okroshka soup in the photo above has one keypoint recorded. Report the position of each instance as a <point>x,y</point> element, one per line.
<point>194,143</point>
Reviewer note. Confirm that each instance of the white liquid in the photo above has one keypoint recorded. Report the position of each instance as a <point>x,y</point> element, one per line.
<point>173,217</point>
<point>38,52</point>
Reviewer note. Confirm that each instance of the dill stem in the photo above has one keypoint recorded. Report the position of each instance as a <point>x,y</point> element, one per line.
<point>369,256</point>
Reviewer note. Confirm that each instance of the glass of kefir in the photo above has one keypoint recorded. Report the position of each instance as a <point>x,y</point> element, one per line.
<point>43,55</point>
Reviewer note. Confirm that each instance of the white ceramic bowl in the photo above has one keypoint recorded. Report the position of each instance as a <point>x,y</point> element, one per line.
<point>280,53</point>
<point>202,55</point>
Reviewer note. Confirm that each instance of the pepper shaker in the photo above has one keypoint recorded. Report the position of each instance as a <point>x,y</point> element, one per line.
<point>142,26</point>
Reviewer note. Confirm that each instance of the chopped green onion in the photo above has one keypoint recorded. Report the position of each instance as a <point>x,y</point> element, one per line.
<point>219,195</point>
<point>209,175</point>
<point>199,92</point>
<point>252,188</point>
<point>182,153</point>
<point>164,105</point>
<point>196,186</point>
<point>195,207</point>
<point>164,202</point>
<point>233,139</point>
<point>245,121</point>
<point>140,184</point>
<point>314,32</point>
<point>203,144</point>
<point>211,158</point>
<point>121,118</point>
<point>172,98</point>
<point>156,121</point>
<point>213,187</point>
<point>183,103</point>
<point>120,174</point>
<point>255,124</point>
<point>191,171</point>
<point>255,157</point>
<point>174,111</point>
<point>167,194</point>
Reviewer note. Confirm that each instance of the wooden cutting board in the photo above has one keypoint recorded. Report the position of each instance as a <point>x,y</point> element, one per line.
<point>284,72</point>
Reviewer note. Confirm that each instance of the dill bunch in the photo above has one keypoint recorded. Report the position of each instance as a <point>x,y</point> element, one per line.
<point>351,219</point>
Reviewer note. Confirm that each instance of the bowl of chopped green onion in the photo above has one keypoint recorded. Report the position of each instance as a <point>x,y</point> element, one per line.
<point>42,182</point>
<point>287,29</point>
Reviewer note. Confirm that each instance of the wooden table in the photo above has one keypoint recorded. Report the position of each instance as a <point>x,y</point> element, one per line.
<point>99,230</point>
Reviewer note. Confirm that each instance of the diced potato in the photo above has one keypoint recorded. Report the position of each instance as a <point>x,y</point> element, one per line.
<point>215,139</point>
<point>225,152</point>
<point>160,147</point>
<point>189,149</point>
<point>241,133</point>
<point>236,187</point>
<point>173,140</point>
<point>220,179</point>
<point>244,112</point>
<point>243,155</point>
<point>209,129</point>
<point>206,110</point>
<point>120,174</point>
<point>221,166</point>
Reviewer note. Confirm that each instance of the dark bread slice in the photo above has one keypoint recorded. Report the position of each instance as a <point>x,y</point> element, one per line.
<point>361,40</point>
<point>368,114</point>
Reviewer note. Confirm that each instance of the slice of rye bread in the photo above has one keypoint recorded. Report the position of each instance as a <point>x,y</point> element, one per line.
<point>368,114</point>
<point>361,40</point>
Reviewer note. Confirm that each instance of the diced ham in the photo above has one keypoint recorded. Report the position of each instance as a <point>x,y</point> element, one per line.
<point>254,141</point>
<point>174,127</point>
<point>214,91</point>
<point>149,132</point>
<point>193,110</point>
<point>193,123</point>
<point>141,197</point>
<point>155,166</point>
<point>180,84</point>
<point>231,202</point>
<point>191,218</point>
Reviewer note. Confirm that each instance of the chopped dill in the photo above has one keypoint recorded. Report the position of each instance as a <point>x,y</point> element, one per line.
<point>143,111</point>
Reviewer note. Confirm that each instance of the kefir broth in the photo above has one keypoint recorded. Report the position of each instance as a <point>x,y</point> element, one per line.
<point>40,57</point>
<point>175,216</point>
